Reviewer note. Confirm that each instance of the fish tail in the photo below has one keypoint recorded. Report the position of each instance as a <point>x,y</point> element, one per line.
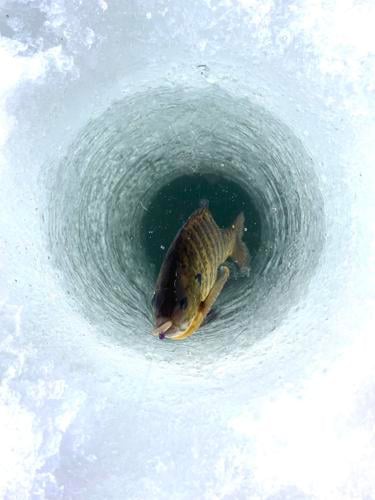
<point>240,253</point>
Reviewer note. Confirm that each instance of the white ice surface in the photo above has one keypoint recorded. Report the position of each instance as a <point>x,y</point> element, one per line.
<point>81,418</point>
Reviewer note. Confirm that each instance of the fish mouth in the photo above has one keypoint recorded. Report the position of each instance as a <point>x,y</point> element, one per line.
<point>161,330</point>
<point>175,334</point>
<point>168,330</point>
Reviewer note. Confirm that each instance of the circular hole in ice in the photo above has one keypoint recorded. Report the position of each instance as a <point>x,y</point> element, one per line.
<point>137,171</point>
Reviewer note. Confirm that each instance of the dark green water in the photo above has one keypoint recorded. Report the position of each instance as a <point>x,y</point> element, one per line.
<point>176,201</point>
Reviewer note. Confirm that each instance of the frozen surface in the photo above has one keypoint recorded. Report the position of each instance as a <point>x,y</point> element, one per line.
<point>101,105</point>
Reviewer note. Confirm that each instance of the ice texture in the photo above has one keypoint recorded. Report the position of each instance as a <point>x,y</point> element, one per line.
<point>103,103</point>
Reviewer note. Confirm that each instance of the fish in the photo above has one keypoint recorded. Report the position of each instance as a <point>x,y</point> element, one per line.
<point>193,273</point>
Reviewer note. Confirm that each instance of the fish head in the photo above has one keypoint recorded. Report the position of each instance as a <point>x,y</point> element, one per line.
<point>175,306</point>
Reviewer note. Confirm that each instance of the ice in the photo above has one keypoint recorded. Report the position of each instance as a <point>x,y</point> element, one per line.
<point>102,104</point>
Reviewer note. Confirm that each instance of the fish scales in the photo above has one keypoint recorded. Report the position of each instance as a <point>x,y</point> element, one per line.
<point>224,247</point>
<point>211,270</point>
<point>208,226</point>
<point>202,258</point>
<point>191,245</point>
<point>195,229</point>
<point>215,236</point>
<point>205,248</point>
<point>211,234</point>
<point>205,228</point>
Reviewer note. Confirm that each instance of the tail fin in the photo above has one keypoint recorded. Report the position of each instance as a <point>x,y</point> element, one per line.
<point>240,253</point>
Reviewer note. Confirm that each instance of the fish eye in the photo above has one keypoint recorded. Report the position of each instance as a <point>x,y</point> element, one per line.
<point>183,303</point>
<point>198,277</point>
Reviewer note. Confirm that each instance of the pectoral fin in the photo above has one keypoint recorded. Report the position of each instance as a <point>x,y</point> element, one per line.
<point>206,305</point>
<point>211,316</point>
<point>215,290</point>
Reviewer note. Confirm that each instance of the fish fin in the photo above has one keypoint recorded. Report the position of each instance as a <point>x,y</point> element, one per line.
<point>204,203</point>
<point>206,305</point>
<point>240,254</point>
<point>211,316</point>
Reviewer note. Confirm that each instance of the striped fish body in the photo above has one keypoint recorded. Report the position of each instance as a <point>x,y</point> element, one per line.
<point>189,273</point>
<point>203,247</point>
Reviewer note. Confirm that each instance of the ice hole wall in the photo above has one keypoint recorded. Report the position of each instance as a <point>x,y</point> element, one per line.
<point>116,167</point>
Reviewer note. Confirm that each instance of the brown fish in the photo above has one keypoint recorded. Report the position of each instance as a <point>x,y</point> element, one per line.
<point>190,280</point>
